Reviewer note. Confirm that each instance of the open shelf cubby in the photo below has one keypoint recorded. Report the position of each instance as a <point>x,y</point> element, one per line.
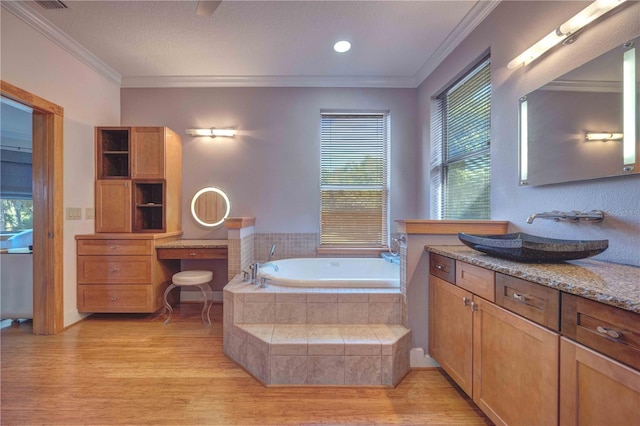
<point>149,206</point>
<point>114,152</point>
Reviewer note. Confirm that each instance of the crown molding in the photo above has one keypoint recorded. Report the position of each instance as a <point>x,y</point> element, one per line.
<point>476,15</point>
<point>53,33</point>
<point>267,81</point>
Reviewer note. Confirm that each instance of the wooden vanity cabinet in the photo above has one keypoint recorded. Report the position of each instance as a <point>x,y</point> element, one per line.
<point>138,179</point>
<point>596,387</point>
<point>122,274</point>
<point>451,331</point>
<point>515,367</point>
<point>506,363</point>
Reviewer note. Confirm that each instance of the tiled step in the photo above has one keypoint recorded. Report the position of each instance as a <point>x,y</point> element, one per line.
<point>321,354</point>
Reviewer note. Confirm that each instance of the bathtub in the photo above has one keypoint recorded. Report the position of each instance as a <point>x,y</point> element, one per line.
<point>333,273</point>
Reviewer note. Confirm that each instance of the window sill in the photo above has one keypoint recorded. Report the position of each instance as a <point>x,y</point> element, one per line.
<point>352,250</point>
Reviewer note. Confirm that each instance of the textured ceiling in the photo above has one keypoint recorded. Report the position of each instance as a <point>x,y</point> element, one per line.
<point>265,39</point>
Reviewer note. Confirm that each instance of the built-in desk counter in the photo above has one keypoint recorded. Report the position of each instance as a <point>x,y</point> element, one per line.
<point>193,249</point>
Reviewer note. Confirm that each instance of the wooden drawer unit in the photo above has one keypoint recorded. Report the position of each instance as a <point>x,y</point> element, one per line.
<point>118,273</point>
<point>115,247</point>
<point>191,253</point>
<point>477,280</point>
<point>442,267</point>
<point>533,301</point>
<point>612,331</point>
<point>114,269</point>
<point>106,298</point>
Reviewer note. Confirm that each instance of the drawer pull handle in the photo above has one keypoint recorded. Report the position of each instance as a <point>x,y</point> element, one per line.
<point>520,297</point>
<point>114,270</point>
<point>466,301</point>
<point>474,306</point>
<point>609,332</point>
<point>440,267</point>
<point>114,247</point>
<point>192,254</point>
<point>114,298</point>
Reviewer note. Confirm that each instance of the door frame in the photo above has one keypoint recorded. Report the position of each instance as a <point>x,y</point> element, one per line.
<point>48,211</point>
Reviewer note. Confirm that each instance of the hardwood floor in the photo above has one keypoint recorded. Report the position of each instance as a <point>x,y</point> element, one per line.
<point>130,369</point>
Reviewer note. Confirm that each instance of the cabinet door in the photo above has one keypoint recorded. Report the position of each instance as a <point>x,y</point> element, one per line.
<point>596,390</point>
<point>147,152</point>
<point>515,367</point>
<point>113,206</point>
<point>450,333</point>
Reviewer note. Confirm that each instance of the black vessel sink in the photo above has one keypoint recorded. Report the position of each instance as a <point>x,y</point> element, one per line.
<point>523,247</point>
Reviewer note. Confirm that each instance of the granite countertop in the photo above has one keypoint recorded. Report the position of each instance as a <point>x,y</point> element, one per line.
<point>193,244</point>
<point>610,283</point>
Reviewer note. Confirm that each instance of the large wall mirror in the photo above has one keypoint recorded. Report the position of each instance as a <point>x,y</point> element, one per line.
<point>583,125</point>
<point>210,207</point>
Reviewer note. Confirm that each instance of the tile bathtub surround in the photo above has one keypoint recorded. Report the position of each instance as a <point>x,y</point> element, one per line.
<point>290,245</point>
<point>291,305</point>
<point>268,324</point>
<point>312,354</point>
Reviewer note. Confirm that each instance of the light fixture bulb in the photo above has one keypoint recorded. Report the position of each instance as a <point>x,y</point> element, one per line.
<point>342,46</point>
<point>569,28</point>
<point>603,136</point>
<point>212,132</point>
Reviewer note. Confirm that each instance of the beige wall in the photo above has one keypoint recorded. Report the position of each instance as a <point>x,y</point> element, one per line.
<point>510,29</point>
<point>271,170</point>
<point>34,63</point>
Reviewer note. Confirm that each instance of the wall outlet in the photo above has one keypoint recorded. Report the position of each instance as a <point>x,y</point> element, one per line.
<point>89,213</point>
<point>74,213</point>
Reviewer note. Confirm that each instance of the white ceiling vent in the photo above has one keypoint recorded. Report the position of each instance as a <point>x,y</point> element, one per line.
<point>52,4</point>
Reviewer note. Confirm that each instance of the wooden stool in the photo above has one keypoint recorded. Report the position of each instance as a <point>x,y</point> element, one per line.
<point>199,279</point>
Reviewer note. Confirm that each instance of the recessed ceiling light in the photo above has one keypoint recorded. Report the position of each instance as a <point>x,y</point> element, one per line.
<point>342,46</point>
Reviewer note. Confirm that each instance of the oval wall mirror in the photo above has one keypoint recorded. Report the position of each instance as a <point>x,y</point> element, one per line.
<point>210,207</point>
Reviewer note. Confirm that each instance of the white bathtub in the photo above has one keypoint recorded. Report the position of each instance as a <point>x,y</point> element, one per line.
<point>333,273</point>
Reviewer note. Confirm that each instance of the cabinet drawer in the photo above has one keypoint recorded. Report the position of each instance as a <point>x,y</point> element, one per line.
<point>189,253</point>
<point>442,267</point>
<point>114,269</point>
<point>607,329</point>
<point>115,247</point>
<point>477,280</point>
<point>122,298</point>
<point>533,301</point>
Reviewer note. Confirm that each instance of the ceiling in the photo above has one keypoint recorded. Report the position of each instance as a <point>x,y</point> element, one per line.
<point>260,43</point>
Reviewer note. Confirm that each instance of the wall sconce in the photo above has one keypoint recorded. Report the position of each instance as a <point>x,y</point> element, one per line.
<point>212,132</point>
<point>603,136</point>
<point>566,31</point>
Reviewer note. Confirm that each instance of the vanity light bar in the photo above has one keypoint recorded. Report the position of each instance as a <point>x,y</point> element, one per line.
<point>569,28</point>
<point>212,132</point>
<point>629,108</point>
<point>603,136</point>
<point>524,142</point>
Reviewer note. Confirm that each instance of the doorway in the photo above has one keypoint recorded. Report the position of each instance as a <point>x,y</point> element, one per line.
<point>48,310</point>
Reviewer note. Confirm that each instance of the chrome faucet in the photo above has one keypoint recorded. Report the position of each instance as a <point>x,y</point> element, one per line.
<point>271,264</point>
<point>573,216</point>
<point>254,272</point>
<point>273,249</point>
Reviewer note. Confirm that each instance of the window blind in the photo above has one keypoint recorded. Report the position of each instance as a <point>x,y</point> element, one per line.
<point>354,180</point>
<point>461,166</point>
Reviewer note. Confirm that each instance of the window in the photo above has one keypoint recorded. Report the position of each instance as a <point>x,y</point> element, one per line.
<point>16,177</point>
<point>460,164</point>
<point>354,179</point>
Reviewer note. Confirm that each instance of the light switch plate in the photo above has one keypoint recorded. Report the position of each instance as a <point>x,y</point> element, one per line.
<point>89,213</point>
<point>74,213</point>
